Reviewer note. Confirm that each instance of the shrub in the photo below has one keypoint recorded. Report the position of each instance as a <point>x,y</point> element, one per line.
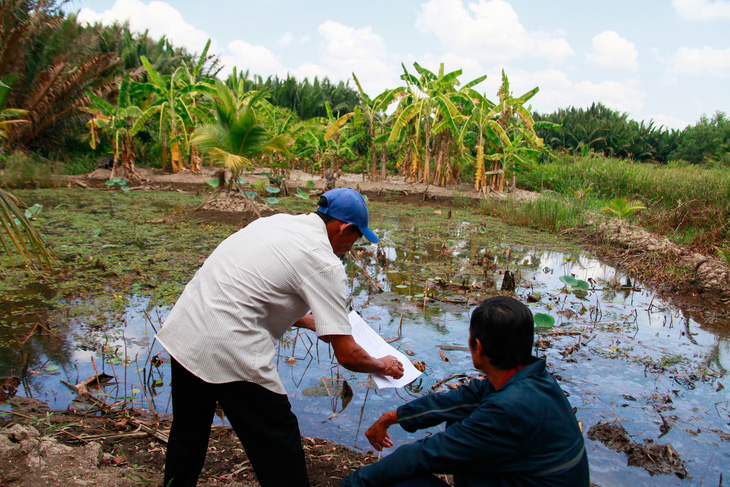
<point>22,170</point>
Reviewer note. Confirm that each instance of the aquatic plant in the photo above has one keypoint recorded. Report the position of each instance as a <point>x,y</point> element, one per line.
<point>580,194</point>
<point>543,320</point>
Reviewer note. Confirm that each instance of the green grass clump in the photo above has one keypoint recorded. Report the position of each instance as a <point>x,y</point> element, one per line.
<point>22,170</point>
<point>552,213</point>
<point>614,178</point>
<point>688,204</point>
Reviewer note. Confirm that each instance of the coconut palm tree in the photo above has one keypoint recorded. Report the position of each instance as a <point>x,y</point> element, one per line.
<point>16,227</point>
<point>235,135</point>
<point>10,118</point>
<point>18,230</point>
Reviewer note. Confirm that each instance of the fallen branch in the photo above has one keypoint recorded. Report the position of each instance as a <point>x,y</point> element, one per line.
<point>49,331</point>
<point>453,347</point>
<point>86,438</point>
<point>457,375</point>
<point>444,357</point>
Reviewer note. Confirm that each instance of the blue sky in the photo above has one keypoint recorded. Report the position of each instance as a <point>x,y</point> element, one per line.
<point>663,60</point>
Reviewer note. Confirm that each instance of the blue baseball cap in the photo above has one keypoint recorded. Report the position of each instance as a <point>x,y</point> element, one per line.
<point>347,205</point>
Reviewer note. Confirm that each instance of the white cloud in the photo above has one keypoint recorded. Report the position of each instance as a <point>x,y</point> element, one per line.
<point>611,51</point>
<point>247,57</point>
<point>700,61</point>
<point>487,30</point>
<point>286,39</point>
<point>557,90</point>
<point>159,18</point>
<point>345,50</point>
<point>667,121</point>
<point>702,9</point>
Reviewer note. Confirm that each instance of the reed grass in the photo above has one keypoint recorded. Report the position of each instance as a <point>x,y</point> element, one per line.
<point>688,204</point>
<point>665,185</point>
<point>550,212</point>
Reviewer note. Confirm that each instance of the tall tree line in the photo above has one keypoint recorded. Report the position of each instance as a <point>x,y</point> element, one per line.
<point>603,130</point>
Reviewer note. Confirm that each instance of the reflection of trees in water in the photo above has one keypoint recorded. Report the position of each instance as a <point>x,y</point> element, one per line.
<point>719,352</point>
<point>612,293</point>
<point>31,345</point>
<point>688,332</point>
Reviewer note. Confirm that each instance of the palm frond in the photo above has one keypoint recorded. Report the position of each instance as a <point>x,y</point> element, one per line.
<point>18,232</point>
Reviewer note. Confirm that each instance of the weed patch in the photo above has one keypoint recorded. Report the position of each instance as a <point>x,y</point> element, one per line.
<point>688,204</point>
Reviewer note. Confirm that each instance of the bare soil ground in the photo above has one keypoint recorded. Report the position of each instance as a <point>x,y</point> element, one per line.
<point>114,449</point>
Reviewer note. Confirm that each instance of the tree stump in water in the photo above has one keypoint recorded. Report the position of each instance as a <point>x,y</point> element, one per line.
<point>508,283</point>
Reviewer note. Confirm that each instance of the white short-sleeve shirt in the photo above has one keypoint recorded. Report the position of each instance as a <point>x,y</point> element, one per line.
<point>260,280</point>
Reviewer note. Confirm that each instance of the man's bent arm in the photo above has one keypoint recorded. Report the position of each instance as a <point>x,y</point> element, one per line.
<point>353,357</point>
<point>484,440</point>
<point>426,411</point>
<point>449,406</point>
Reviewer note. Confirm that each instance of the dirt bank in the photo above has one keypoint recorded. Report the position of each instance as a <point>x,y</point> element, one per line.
<point>117,449</point>
<point>696,282</point>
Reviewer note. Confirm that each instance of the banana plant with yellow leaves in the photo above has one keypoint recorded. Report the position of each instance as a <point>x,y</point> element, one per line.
<point>510,130</point>
<point>117,121</point>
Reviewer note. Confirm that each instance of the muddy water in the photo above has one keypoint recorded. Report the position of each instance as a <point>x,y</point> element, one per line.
<point>620,353</point>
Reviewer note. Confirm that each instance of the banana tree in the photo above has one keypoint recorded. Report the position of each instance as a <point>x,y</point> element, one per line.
<point>416,108</point>
<point>281,122</point>
<point>339,137</point>
<point>428,105</point>
<point>116,121</point>
<point>512,133</point>
<point>175,99</point>
<point>371,111</point>
<point>340,148</point>
<point>482,112</point>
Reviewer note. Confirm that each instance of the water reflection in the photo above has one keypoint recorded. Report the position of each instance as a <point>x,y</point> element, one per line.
<point>621,353</point>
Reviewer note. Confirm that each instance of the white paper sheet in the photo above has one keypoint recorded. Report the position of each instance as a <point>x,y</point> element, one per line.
<point>368,339</point>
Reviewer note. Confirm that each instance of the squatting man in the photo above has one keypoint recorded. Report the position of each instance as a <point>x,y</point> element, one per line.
<point>513,428</point>
<point>222,335</point>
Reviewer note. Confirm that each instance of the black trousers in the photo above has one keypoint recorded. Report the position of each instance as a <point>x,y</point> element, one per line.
<point>262,419</point>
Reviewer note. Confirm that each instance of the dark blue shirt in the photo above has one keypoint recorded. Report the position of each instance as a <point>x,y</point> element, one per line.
<point>523,434</point>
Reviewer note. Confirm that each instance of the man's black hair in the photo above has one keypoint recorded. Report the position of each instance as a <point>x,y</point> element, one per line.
<point>326,218</point>
<point>506,330</point>
<point>323,204</point>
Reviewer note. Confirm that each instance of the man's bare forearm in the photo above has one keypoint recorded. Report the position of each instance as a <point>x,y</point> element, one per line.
<point>353,357</point>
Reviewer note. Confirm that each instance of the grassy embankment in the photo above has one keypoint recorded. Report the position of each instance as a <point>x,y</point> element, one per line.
<point>689,205</point>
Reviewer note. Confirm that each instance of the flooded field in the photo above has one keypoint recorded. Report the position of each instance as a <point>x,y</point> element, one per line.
<point>621,354</point>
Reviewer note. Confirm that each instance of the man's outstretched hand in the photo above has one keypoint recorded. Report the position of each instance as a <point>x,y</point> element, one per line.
<point>392,367</point>
<point>378,435</point>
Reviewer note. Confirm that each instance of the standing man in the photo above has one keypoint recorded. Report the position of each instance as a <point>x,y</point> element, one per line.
<point>222,335</point>
<point>514,428</point>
